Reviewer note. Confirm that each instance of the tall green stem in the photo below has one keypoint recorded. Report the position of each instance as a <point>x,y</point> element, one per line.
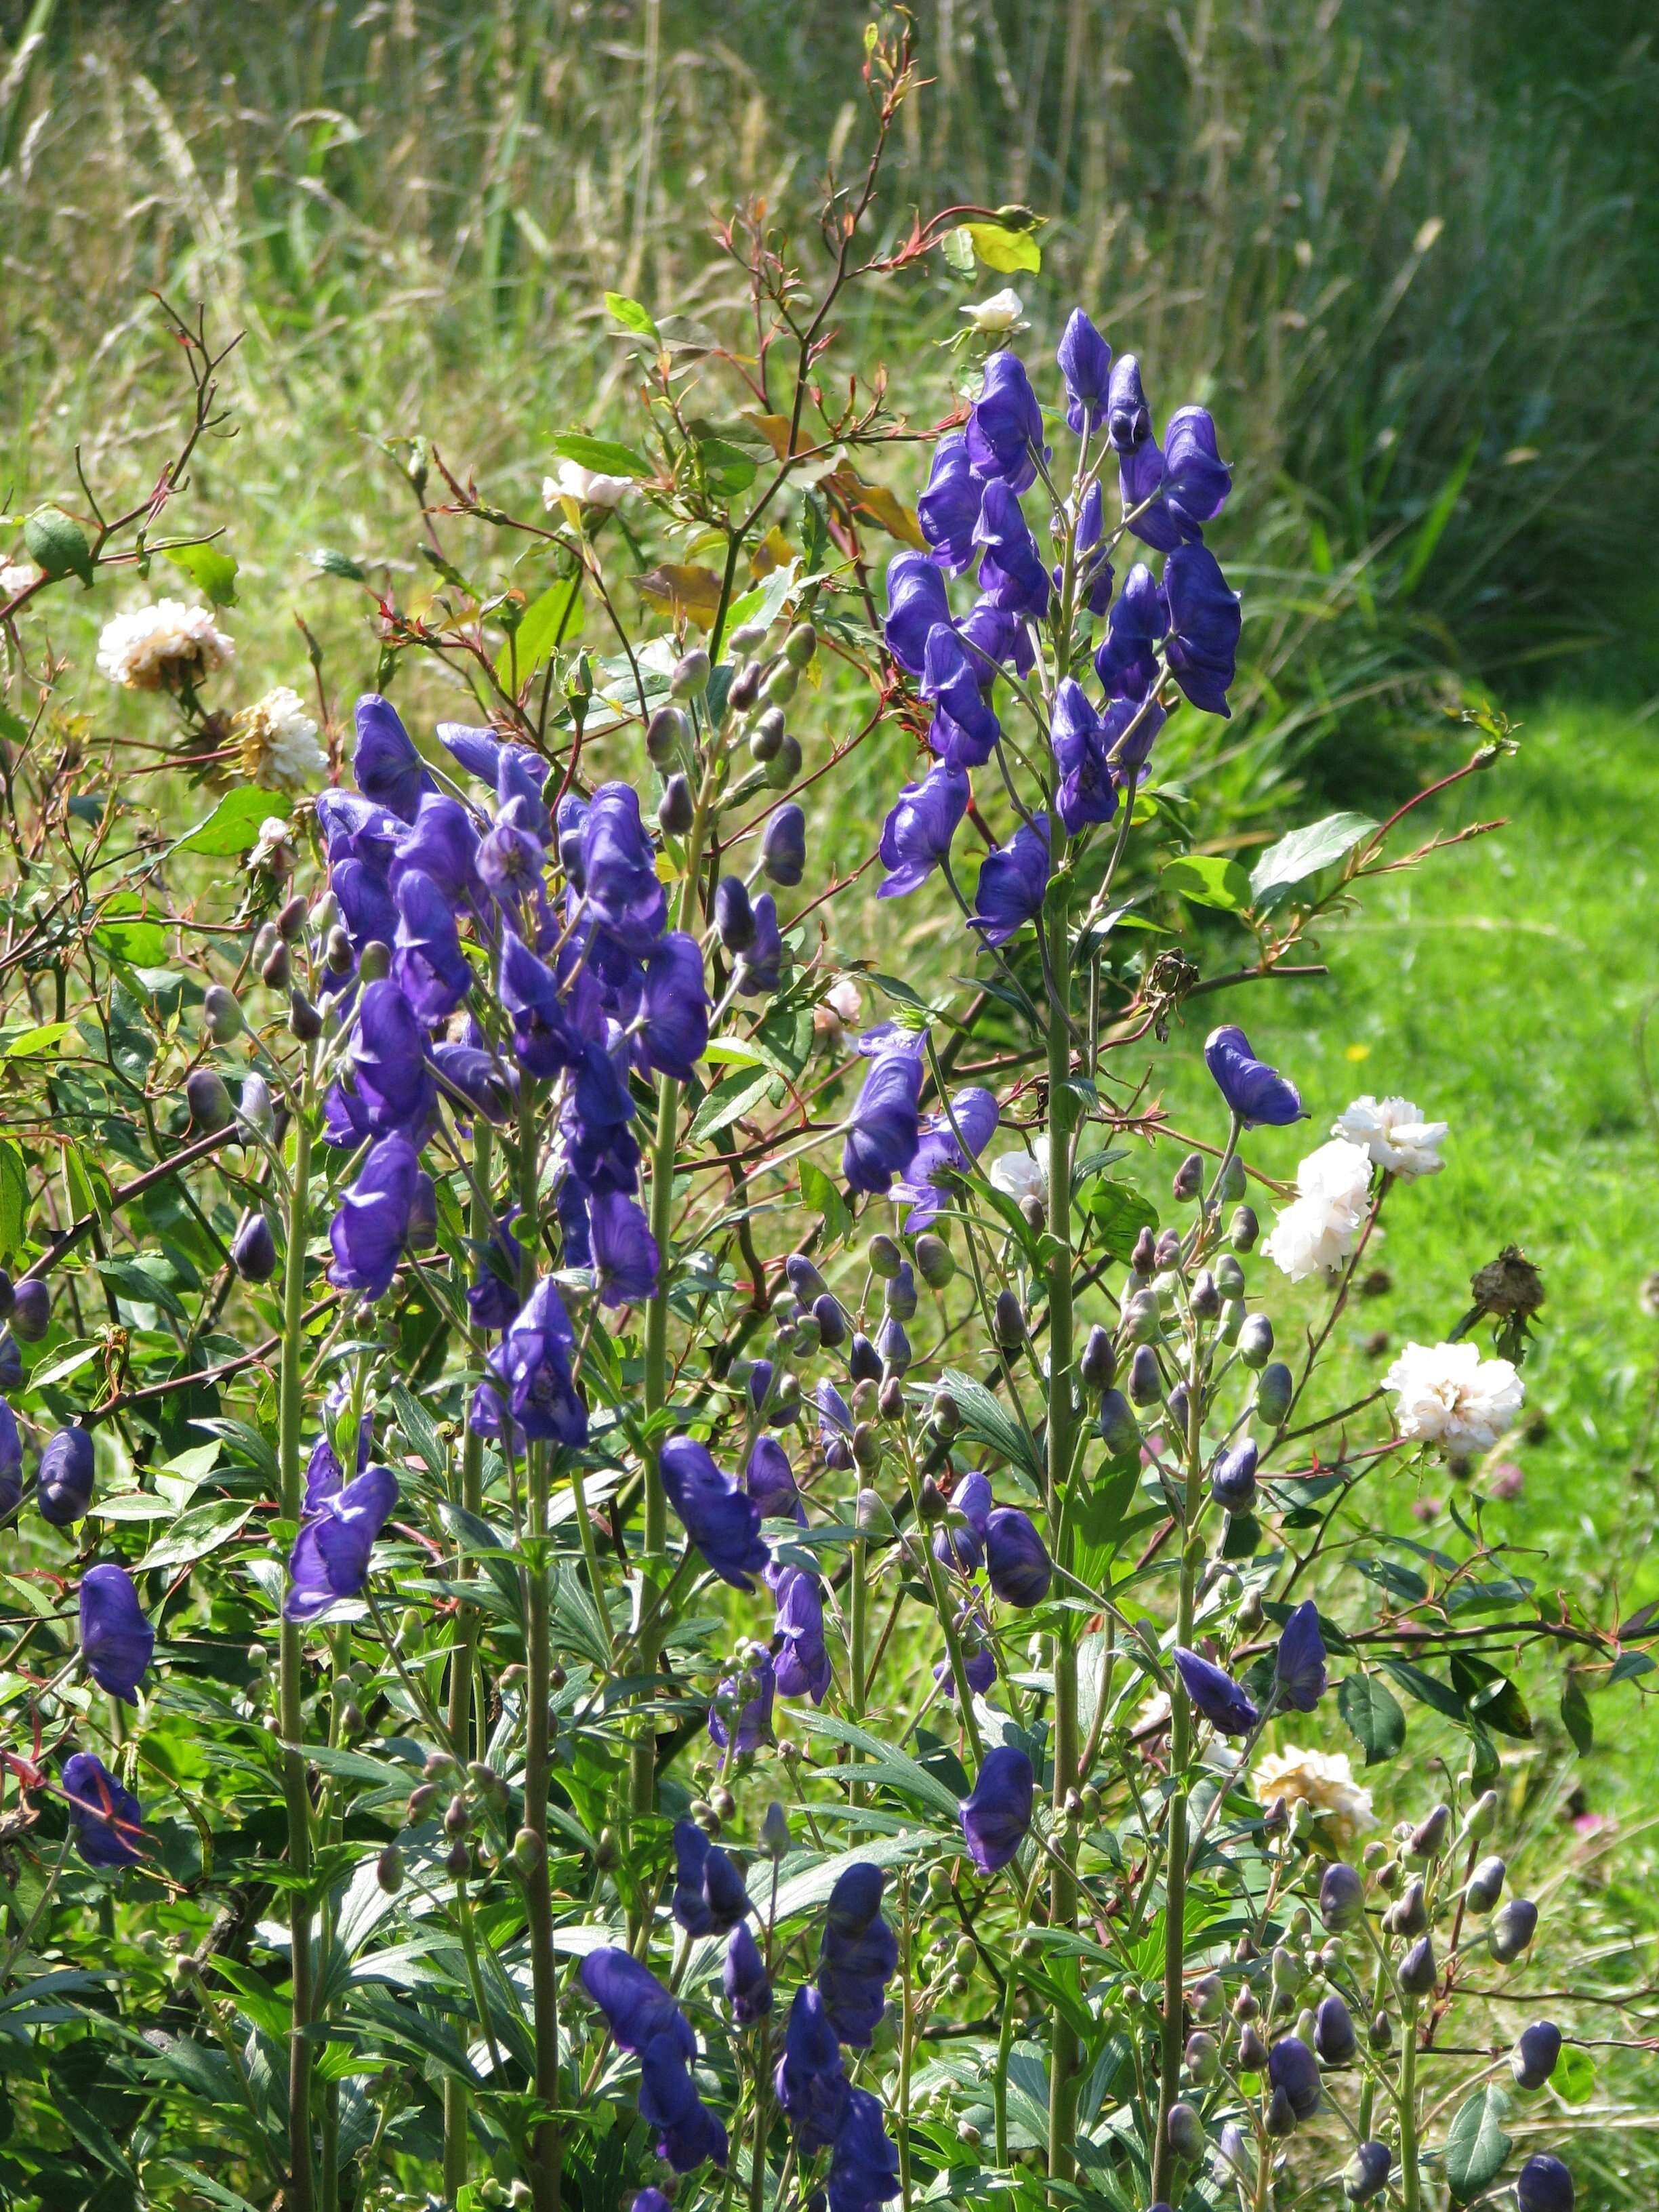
<point>1061,1445</point>
<point>1174,1862</point>
<point>1411,2183</point>
<point>291,1684</point>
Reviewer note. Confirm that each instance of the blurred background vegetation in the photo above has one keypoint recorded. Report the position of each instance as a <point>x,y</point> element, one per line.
<point>1407,251</point>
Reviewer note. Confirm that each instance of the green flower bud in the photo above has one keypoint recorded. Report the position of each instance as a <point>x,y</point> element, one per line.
<point>1186,2131</point>
<point>389,1869</point>
<point>1274,1394</point>
<point>665,734</point>
<point>800,645</point>
<point>690,677</point>
<point>374,961</point>
<point>883,1256</point>
<point>1243,1229</point>
<point>935,1263</point>
<point>222,1014</point>
<point>767,736</point>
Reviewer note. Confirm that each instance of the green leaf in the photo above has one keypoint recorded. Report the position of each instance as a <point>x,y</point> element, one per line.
<point>821,1194</point>
<point>1426,1689</point>
<point>604,457</point>
<point>728,470</point>
<point>1575,1715</point>
<point>139,944</point>
<point>1476,2145</point>
<point>986,1420</point>
<point>959,250</point>
<point>14,1198</point>
<point>1208,880</point>
<point>1005,251</point>
<point>59,543</point>
<point>1375,1714</point>
<point>1491,1697</point>
<point>733,1096</point>
<point>211,568</point>
<point>1117,1214</point>
<point>338,564</point>
<point>900,1771</point>
<point>632,316</point>
<point>233,825</point>
<point>30,1043</point>
<point>1574,2078</point>
<point>555,618</point>
<point>1304,853</point>
<point>416,1425</point>
<point>201,1529</point>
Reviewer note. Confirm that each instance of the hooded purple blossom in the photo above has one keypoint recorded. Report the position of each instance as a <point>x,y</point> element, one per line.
<point>485,1084</point>
<point>973,1119</point>
<point>116,1639</point>
<point>917,836</point>
<point>783,846</point>
<point>1086,361</point>
<point>1016,1562</point>
<point>619,869</point>
<point>960,1541</point>
<point>863,2171</point>
<point>442,843</point>
<point>11,1460</point>
<point>637,2009</point>
<point>1005,425</point>
<point>544,1039</point>
<point>1126,660</point>
<point>979,1665</point>
<point>358,828</point>
<point>744,1978</point>
<point>740,1718</point>
<point>857,1956</point>
<point>1196,480</point>
<point>1259,1096</point>
<point>1215,1694</point>
<point>105,1815</point>
<point>1205,622</point>
<point>882,1130</point>
<point>810,2081</point>
<point>965,730</point>
<point>802,1663</point>
<point>948,508</point>
<point>688,2133</point>
<point>1094,569</point>
<point>493,1296</point>
<point>1293,2068</point>
<point>710,1897</point>
<point>916,605</point>
<point>1000,638</point>
<point>389,1063</point>
<point>760,966</point>
<point>371,1228</point>
<point>1011,574</point>
<point>330,1554</point>
<point>530,1369</point>
<point>387,767</point>
<point>671,1008</point>
<point>1299,1667</point>
<point>1088,791</point>
<point>1011,883</point>
<point>428,966</point>
<point>511,861</point>
<point>722,1521</point>
<point>1128,418</point>
<point>770,1481</point>
<point>995,1818</point>
<point>624,1252</point>
<point>63,1482</point>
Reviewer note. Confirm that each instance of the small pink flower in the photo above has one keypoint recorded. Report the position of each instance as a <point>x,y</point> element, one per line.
<point>1506,1480</point>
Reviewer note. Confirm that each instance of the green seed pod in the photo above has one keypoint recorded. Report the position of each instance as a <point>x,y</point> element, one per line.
<point>1482,1816</point>
<point>866,1447</point>
<point>784,766</point>
<point>1232,1181</point>
<point>1229,1277</point>
<point>945,1413</point>
<point>780,685</point>
<point>800,645</point>
<point>1231,1321</point>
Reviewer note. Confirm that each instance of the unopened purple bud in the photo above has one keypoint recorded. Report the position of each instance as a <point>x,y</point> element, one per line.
<point>1243,1229</point>
<point>1485,1884</point>
<point>1008,1321</point>
<point>1232,1479</point>
<point>1145,1383</point>
<point>254,1250</point>
<point>1186,2131</point>
<point>1366,2174</point>
<point>1418,1970</point>
<point>1533,2059</point>
<point>863,1360</point>
<point>208,1099</point>
<point>832,1322</point>
<point>783,846</point>
<point>1341,1897</point>
<point>31,1311</point>
<point>1543,2184</point>
<point>1255,1340</point>
<point>894,1346</point>
<point>1097,1368</point>
<point>1293,2068</point>
<point>1143,1258</point>
<point>1119,1432</point>
<point>1273,1393</point>
<point>1513,1929</point>
<point>735,917</point>
<point>803,1277</point>
<point>900,1297</point>
<point>675,810</point>
<point>1334,2035</point>
<point>1188,1182</point>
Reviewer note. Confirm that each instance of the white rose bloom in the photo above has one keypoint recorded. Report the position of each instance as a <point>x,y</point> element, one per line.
<point>280,751</point>
<point>1323,1780</point>
<point>1395,1133</point>
<point>585,486</point>
<point>1022,1173</point>
<point>1315,1233</point>
<point>1447,1395</point>
<point>273,847</point>
<point>1002,314</point>
<point>158,648</point>
<point>16,576</point>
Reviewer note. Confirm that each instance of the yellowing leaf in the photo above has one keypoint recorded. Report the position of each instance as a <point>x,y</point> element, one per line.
<point>880,506</point>
<point>691,593</point>
<point>775,428</point>
<point>774,551</point>
<point>1006,249</point>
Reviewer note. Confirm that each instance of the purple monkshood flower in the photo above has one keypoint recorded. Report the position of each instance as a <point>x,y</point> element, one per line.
<point>668,1016</point>
<point>760,965</point>
<point>116,1639</point>
<point>358,828</point>
<point>709,1897</point>
<point>493,1297</point>
<point>783,846</point>
<point>544,1039</point>
<point>948,508</point>
<point>1215,1694</point>
<point>1011,883</point>
<point>11,1460</point>
<point>1005,425</point>
<point>965,730</point>
<point>744,1981</point>
<point>689,2132</point>
<point>62,1481</point>
<point>428,966</point>
<point>106,1816</point>
<point>916,605</point>
<point>369,1232</point>
<point>1293,2068</point>
<point>722,1521</point>
<point>1128,418</point>
<point>917,836</point>
<point>443,843</point>
<point>740,1718</point>
<point>389,1068</point>
<point>883,1129</point>
<point>864,2170</point>
<point>513,772</point>
<point>487,1084</point>
<point>1299,1668</point>
<point>637,2009</point>
<point>387,767</point>
<point>1126,660</point>
<point>835,1415</point>
<point>972,1122</point>
<point>511,861</point>
<point>531,1369</point>
<point>811,2080</point>
<point>623,891</point>
<point>858,1954</point>
<point>1094,570</point>
<point>802,1666</point>
<point>1258,1094</point>
<point>1088,791</point>
<point>980,1666</point>
<point>995,1818</point>
<point>1205,623</point>
<point>330,1554</point>
<point>960,1541</point>
<point>1190,478</point>
<point>1016,1562</point>
<point>1086,361</point>
<point>770,1481</point>
<point>624,1252</point>
<point>1012,575</point>
<point>1000,638</point>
